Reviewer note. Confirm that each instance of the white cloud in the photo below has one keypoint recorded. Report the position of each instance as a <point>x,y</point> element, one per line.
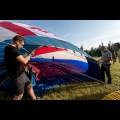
<point>113,36</point>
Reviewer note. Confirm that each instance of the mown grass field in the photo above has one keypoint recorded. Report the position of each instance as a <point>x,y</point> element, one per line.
<point>79,91</point>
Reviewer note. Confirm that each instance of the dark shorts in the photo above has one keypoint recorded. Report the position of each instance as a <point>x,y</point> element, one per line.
<point>20,83</point>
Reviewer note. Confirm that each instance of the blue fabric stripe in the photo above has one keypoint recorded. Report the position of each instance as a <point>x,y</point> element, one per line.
<point>83,66</point>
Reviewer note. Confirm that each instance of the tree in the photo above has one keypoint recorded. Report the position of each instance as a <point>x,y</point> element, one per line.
<point>102,44</point>
<point>81,47</point>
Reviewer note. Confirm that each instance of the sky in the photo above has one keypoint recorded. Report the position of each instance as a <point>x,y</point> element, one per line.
<point>88,33</point>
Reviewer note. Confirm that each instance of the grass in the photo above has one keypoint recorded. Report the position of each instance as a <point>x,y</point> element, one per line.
<point>79,91</point>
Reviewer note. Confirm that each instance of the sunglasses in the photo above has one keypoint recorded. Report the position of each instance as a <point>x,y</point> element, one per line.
<point>21,44</point>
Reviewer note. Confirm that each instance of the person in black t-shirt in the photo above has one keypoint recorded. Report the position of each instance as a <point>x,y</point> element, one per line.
<point>14,63</point>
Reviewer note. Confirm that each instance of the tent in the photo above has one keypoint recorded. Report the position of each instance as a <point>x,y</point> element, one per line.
<point>55,61</point>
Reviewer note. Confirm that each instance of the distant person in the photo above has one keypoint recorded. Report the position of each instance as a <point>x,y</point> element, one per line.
<point>116,47</point>
<point>105,66</point>
<point>14,63</point>
<point>114,57</point>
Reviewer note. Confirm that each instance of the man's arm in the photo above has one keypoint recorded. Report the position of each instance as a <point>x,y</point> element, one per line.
<point>108,59</point>
<point>23,60</point>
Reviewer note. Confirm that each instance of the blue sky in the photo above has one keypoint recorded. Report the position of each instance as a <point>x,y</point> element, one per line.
<point>89,33</point>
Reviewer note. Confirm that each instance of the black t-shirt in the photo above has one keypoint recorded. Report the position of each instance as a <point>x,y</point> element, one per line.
<point>14,68</point>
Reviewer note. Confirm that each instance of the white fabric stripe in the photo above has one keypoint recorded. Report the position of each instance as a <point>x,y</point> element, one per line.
<point>6,34</point>
<point>68,55</point>
<point>37,30</point>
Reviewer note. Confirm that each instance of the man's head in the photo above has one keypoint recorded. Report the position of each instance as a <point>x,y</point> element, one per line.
<point>103,48</point>
<point>116,46</point>
<point>19,41</point>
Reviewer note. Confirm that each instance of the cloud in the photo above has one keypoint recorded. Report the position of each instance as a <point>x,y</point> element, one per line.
<point>113,36</point>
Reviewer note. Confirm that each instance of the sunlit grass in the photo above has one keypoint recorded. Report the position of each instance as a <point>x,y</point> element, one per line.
<point>86,90</point>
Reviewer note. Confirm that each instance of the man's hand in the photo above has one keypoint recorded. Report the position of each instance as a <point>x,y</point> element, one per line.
<point>100,61</point>
<point>32,53</point>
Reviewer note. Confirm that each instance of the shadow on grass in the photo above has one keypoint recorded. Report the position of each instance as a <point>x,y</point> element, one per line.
<point>97,96</point>
<point>68,87</point>
<point>5,95</point>
<point>9,95</point>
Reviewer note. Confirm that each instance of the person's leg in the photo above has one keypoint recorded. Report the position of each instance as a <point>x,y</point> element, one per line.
<point>119,59</point>
<point>108,73</point>
<point>113,61</point>
<point>18,97</point>
<point>103,73</point>
<point>31,92</point>
<point>29,88</point>
<point>19,84</point>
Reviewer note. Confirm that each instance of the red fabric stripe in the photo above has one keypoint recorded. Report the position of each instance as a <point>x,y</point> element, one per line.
<point>39,29</point>
<point>17,29</point>
<point>44,50</point>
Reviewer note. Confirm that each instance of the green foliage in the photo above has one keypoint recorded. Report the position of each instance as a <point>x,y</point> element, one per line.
<point>95,52</point>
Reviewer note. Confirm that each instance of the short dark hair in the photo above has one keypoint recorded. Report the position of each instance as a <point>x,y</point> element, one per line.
<point>18,38</point>
<point>103,47</point>
<point>117,45</point>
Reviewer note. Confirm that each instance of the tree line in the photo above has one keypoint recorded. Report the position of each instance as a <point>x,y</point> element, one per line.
<point>96,52</point>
